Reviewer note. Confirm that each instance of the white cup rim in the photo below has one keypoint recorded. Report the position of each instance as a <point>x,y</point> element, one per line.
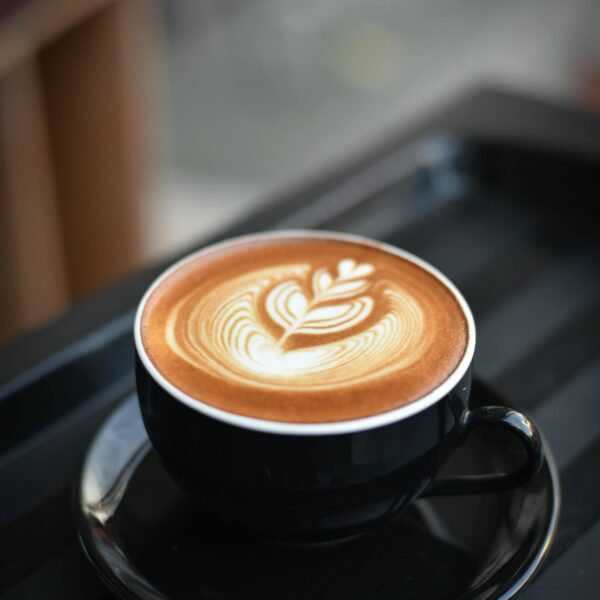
<point>326,428</point>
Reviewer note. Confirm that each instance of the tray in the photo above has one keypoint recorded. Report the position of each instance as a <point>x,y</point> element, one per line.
<point>496,191</point>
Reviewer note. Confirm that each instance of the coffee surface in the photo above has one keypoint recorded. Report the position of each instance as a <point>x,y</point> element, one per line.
<point>303,329</point>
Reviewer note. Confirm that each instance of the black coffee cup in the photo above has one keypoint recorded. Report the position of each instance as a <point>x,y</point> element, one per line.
<point>297,482</point>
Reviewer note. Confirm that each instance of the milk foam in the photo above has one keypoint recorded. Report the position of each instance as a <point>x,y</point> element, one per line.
<point>300,326</point>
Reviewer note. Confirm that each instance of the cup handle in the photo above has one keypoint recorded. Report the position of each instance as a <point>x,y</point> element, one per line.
<point>496,416</point>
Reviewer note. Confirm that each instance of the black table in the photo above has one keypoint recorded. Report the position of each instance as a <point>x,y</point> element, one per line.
<point>497,191</point>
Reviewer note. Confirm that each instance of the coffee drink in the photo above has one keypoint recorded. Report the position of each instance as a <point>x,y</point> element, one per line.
<point>307,385</point>
<point>303,328</point>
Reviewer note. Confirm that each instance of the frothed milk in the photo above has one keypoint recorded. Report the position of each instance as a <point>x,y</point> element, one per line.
<point>303,328</point>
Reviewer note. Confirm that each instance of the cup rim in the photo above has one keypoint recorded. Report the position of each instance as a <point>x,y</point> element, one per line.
<point>325,428</point>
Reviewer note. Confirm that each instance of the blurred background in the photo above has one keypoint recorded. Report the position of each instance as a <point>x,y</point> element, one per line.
<point>130,129</point>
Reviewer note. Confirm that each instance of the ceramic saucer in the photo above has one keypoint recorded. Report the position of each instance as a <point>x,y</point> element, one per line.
<point>148,540</point>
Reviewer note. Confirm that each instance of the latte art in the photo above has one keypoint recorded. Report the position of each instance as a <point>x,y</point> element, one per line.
<point>303,329</point>
<point>288,305</point>
<point>275,326</point>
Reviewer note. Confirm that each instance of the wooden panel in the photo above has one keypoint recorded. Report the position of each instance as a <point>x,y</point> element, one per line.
<point>93,79</point>
<point>32,277</point>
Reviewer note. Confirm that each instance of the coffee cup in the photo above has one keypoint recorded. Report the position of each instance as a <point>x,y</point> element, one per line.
<point>308,385</point>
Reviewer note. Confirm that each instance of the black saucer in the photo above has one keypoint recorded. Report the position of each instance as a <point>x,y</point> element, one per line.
<point>147,540</point>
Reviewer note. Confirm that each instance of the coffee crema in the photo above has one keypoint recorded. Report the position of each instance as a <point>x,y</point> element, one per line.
<point>303,329</point>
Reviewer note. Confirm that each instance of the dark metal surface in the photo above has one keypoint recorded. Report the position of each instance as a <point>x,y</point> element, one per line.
<point>502,202</point>
<point>149,541</point>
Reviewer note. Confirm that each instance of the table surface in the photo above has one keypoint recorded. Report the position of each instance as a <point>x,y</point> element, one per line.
<point>537,318</point>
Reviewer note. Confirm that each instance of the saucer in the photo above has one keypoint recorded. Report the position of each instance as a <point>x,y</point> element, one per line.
<point>148,540</point>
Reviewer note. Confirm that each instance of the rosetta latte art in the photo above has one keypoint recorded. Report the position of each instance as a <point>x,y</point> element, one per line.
<point>300,326</point>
